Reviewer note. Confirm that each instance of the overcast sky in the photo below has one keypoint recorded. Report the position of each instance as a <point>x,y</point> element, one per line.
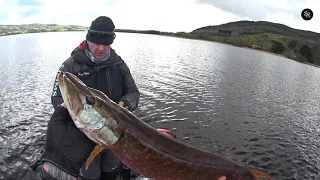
<point>164,15</point>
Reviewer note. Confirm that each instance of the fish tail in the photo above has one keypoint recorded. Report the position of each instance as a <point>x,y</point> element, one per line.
<point>97,149</point>
<point>259,175</point>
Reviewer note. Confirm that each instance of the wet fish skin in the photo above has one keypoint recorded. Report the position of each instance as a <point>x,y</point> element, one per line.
<point>91,120</point>
<point>140,146</point>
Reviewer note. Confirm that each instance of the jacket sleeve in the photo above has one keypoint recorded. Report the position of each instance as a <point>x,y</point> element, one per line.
<point>32,175</point>
<point>36,172</point>
<point>131,93</point>
<point>56,97</point>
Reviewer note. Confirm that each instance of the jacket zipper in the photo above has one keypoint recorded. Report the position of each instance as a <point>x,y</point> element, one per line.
<point>108,76</point>
<point>97,70</point>
<point>109,83</point>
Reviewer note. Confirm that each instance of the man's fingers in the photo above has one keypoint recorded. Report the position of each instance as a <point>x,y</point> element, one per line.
<point>121,103</point>
<point>63,105</point>
<point>222,178</point>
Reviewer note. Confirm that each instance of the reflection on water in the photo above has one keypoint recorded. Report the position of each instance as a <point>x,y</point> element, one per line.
<point>256,108</point>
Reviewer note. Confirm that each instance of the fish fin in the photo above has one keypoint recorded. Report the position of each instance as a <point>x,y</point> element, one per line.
<point>259,175</point>
<point>97,149</point>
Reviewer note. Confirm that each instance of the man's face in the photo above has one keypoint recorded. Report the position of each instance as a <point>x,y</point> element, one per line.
<point>99,51</point>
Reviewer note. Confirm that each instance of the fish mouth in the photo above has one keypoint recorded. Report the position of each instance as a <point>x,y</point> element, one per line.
<point>74,93</point>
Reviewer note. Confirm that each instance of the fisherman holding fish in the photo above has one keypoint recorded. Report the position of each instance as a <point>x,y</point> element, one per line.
<point>67,148</point>
<point>99,66</point>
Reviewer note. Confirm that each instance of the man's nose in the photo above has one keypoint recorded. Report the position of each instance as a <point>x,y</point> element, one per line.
<point>101,47</point>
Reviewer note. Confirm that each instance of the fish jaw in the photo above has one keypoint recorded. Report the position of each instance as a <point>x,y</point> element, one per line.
<point>101,130</point>
<point>70,94</point>
<point>83,107</point>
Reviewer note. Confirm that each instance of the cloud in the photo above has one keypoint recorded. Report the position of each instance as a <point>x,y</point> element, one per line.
<point>29,2</point>
<point>287,12</point>
<point>165,15</point>
<point>257,9</point>
<point>29,11</point>
<point>3,15</point>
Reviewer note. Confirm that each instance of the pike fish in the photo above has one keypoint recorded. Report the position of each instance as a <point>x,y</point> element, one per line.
<point>140,146</point>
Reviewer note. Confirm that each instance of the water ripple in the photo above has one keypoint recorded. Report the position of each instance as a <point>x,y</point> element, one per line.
<point>255,108</point>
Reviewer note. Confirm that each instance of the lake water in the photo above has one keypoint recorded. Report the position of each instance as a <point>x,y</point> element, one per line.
<point>258,109</point>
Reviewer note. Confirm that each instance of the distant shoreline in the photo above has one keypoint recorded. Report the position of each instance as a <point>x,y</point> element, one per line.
<point>18,33</point>
<point>248,48</point>
<point>168,34</point>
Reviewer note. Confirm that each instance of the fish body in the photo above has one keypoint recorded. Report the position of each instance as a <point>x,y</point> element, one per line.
<point>140,146</point>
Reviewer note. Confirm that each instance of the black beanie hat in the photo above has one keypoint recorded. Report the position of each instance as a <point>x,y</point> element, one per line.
<point>105,24</point>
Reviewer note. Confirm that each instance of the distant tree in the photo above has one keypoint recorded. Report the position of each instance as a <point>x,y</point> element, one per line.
<point>316,53</point>
<point>264,36</point>
<point>277,47</point>
<point>152,32</point>
<point>293,43</point>
<point>203,36</point>
<point>252,41</point>
<point>240,32</point>
<point>223,39</point>
<point>306,52</point>
<point>242,43</point>
<point>235,38</point>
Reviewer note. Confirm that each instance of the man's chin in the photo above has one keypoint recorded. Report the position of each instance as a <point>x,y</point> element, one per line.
<point>100,56</point>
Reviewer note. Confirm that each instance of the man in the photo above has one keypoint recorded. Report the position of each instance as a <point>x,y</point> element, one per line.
<point>99,67</point>
<point>66,149</point>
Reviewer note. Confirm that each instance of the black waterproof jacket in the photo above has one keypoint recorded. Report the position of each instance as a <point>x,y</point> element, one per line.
<point>112,77</point>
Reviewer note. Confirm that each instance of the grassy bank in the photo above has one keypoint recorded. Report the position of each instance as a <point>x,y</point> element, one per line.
<point>37,28</point>
<point>295,48</point>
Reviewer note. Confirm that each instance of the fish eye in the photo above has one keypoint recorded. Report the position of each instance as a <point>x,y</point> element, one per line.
<point>90,100</point>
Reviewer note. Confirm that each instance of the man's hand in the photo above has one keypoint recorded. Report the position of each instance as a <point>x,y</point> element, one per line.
<point>63,105</point>
<point>121,103</point>
<point>222,178</point>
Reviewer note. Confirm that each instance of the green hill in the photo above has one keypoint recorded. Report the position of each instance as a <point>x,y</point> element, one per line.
<point>300,45</point>
<point>259,27</point>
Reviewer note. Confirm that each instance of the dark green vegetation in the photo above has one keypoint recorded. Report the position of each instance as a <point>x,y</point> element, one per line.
<point>300,45</point>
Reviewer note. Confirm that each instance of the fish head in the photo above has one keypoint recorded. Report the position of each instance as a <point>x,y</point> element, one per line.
<point>73,92</point>
<point>85,108</point>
